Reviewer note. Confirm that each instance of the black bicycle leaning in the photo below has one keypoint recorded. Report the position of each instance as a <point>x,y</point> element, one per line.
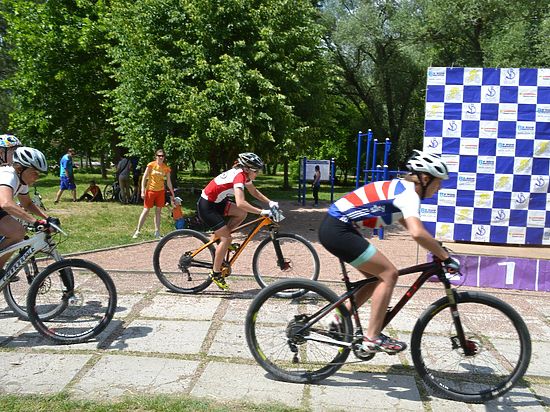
<point>466,346</point>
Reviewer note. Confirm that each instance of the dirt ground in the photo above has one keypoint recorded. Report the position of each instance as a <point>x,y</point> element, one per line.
<point>301,220</point>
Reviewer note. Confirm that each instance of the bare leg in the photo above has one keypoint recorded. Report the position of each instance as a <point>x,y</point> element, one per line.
<point>13,232</point>
<point>158,212</point>
<point>142,217</point>
<point>381,292</point>
<point>74,195</point>
<point>224,234</point>
<point>58,196</point>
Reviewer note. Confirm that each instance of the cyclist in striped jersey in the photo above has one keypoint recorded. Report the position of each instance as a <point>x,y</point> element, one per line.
<point>374,205</point>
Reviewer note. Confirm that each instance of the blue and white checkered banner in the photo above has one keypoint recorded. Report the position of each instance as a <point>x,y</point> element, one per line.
<point>492,127</point>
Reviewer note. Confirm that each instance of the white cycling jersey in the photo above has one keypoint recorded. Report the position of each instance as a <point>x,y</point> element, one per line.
<point>8,177</point>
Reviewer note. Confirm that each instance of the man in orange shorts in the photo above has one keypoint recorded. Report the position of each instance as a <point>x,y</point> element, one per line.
<point>152,190</point>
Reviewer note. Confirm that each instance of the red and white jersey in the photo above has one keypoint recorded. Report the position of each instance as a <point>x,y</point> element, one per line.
<point>224,185</point>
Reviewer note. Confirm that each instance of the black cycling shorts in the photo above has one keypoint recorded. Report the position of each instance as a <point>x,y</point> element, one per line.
<point>212,213</point>
<point>3,213</point>
<point>345,242</point>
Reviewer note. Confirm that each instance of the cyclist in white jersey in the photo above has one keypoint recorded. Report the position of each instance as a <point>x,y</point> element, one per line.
<point>15,181</point>
<point>374,205</point>
<point>213,205</point>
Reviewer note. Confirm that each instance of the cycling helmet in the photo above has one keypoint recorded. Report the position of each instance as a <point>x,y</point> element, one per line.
<point>422,162</point>
<point>8,140</point>
<point>29,157</point>
<point>250,160</point>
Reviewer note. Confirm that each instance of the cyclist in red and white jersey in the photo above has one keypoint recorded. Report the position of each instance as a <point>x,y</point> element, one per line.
<point>213,205</point>
<point>374,205</point>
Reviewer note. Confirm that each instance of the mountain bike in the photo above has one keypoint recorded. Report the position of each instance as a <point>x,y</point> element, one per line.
<point>183,259</point>
<point>113,193</point>
<point>466,346</point>
<point>68,301</point>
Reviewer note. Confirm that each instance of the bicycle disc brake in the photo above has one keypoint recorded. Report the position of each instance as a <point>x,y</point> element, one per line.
<point>472,347</point>
<point>287,265</point>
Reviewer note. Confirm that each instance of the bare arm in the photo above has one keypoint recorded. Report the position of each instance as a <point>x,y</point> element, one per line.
<point>423,237</point>
<point>256,193</point>
<point>241,202</point>
<point>144,181</point>
<point>27,203</point>
<point>7,204</point>
<point>170,187</point>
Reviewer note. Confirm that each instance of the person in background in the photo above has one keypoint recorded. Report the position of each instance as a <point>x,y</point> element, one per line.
<point>153,192</point>
<point>377,204</point>
<point>66,175</point>
<point>316,184</point>
<point>92,193</point>
<point>123,174</point>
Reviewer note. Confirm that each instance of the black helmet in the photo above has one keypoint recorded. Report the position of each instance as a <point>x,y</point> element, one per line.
<point>250,160</point>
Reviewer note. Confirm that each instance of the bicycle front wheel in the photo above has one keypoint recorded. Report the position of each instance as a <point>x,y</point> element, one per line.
<point>15,293</point>
<point>109,193</point>
<point>286,256</point>
<point>275,339</point>
<point>88,294</point>
<point>176,264</point>
<point>497,340</point>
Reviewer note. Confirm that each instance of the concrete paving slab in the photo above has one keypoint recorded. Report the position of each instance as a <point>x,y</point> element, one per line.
<point>359,391</point>
<point>12,326</point>
<point>230,340</point>
<point>157,336</point>
<point>36,373</point>
<point>540,361</point>
<point>237,382</point>
<point>542,392</point>
<point>125,304</point>
<point>118,375</point>
<point>172,306</point>
<point>236,311</point>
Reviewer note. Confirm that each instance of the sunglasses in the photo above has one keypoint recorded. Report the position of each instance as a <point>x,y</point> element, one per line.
<point>161,155</point>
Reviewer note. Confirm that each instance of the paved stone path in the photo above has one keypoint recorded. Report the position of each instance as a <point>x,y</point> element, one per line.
<point>164,343</point>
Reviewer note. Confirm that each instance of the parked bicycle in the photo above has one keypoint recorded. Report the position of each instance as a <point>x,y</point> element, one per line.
<point>467,346</point>
<point>68,301</point>
<point>113,193</point>
<point>182,259</point>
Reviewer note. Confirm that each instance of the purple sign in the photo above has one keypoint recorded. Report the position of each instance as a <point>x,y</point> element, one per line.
<point>504,272</point>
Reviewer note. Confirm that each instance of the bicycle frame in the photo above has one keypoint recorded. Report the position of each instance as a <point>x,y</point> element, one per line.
<point>427,271</point>
<point>37,243</point>
<point>260,222</point>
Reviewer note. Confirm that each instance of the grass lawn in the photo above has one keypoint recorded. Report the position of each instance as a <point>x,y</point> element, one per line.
<point>100,225</point>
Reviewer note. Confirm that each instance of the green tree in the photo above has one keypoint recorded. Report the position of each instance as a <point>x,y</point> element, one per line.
<point>207,79</point>
<point>57,47</point>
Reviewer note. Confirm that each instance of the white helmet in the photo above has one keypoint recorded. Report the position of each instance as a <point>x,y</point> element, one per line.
<point>9,140</point>
<point>250,160</point>
<point>29,157</point>
<point>428,163</point>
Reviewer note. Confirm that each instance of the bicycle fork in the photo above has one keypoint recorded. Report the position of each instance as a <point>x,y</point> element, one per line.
<point>283,265</point>
<point>458,341</point>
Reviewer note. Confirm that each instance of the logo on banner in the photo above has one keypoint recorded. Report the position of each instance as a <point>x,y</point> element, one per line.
<point>453,94</point>
<point>488,129</point>
<point>500,217</point>
<point>434,111</point>
<point>428,213</point>
<point>543,77</point>
<point>466,181</point>
<point>452,161</point>
<point>510,74</point>
<point>509,77</point>
<point>543,113</point>
<point>472,76</point>
<point>480,233</point>
<point>539,184</point>
<point>516,235</point>
<point>444,231</point>
<point>523,165</point>
<point>507,112</point>
<point>536,218</point>
<point>506,147</point>
<point>491,92</point>
<point>542,149</point>
<point>486,164</point>
<point>446,197</point>
<point>503,183</point>
<point>464,215</point>
<point>483,199</point>
<point>527,95</point>
<point>436,75</point>
<point>546,237</point>
<point>520,200</point>
<point>525,130</point>
<point>452,129</point>
<point>471,111</point>
<point>469,146</point>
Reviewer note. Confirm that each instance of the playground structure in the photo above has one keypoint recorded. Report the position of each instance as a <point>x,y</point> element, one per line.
<point>373,170</point>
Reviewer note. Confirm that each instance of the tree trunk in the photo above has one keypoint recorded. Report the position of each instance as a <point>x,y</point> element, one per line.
<point>286,184</point>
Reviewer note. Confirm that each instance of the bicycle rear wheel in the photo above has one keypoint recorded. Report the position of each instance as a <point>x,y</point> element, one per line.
<point>15,293</point>
<point>89,296</point>
<point>496,335</point>
<point>109,193</point>
<point>176,268</point>
<point>298,259</point>
<point>273,334</point>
